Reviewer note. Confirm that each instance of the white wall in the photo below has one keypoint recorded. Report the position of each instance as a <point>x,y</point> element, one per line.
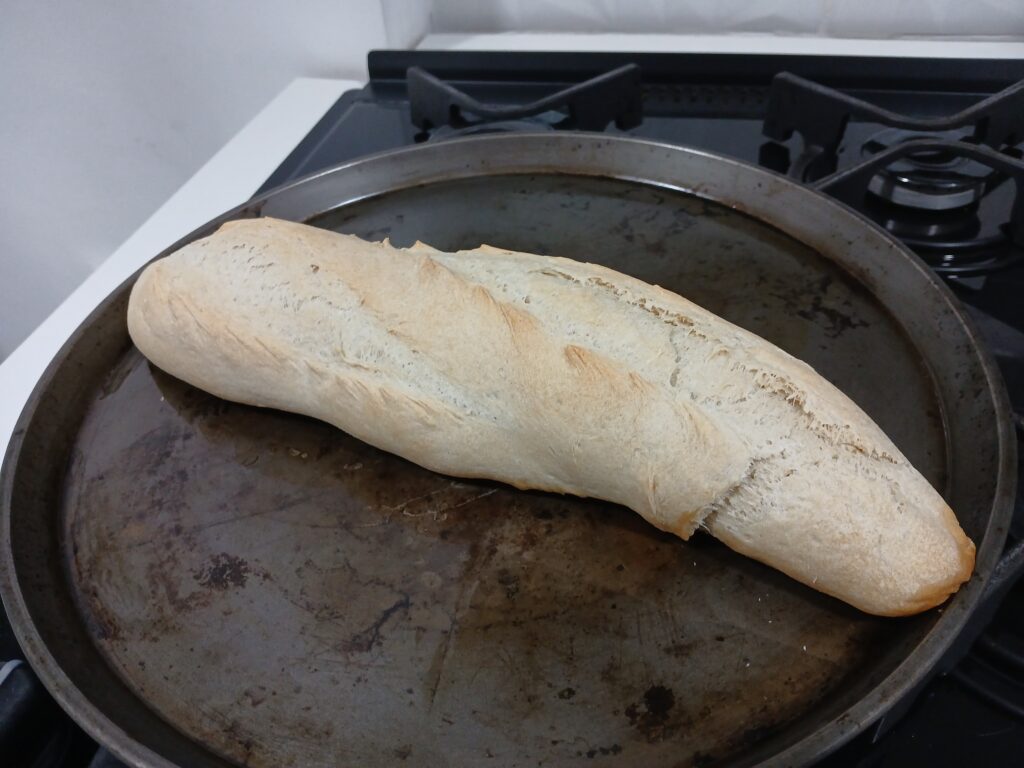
<point>109,106</point>
<point>941,19</point>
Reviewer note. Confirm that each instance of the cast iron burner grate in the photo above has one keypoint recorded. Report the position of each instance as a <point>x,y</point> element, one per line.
<point>441,110</point>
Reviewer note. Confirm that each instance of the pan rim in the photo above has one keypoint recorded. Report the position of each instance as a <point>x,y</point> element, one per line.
<point>910,672</point>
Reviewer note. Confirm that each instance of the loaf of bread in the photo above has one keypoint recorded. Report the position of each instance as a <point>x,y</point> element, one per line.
<point>562,376</point>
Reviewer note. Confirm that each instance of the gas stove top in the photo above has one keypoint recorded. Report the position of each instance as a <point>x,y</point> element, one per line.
<point>928,149</point>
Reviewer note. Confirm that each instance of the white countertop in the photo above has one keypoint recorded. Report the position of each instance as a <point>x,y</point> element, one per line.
<point>228,179</point>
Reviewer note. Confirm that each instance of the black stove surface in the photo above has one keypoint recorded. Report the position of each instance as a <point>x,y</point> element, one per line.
<point>973,710</point>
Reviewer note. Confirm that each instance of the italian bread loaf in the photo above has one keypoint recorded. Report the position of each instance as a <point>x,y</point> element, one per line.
<point>556,375</point>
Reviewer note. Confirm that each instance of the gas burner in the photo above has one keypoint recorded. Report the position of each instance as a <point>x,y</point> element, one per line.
<point>939,184</point>
<point>928,179</point>
<point>972,226</point>
<point>960,241</point>
<point>544,122</point>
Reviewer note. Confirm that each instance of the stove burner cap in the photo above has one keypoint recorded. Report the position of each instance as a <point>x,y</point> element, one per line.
<point>930,180</point>
<point>496,126</point>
